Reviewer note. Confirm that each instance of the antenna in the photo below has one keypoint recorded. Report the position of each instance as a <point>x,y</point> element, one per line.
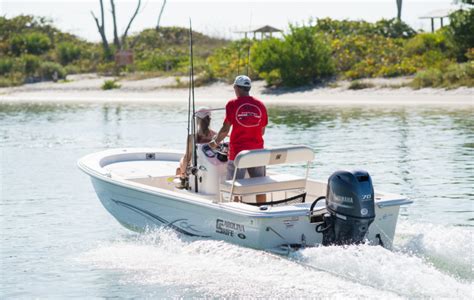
<point>191,98</point>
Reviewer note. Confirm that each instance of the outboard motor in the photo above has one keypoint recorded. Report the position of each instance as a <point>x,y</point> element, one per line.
<point>350,208</point>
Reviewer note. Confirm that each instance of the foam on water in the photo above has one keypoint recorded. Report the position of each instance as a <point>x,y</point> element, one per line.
<point>216,268</point>
<point>406,275</point>
<point>448,248</point>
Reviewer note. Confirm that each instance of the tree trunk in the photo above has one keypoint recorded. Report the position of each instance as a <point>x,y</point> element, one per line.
<point>116,39</point>
<point>399,10</point>
<point>101,29</point>
<point>159,16</point>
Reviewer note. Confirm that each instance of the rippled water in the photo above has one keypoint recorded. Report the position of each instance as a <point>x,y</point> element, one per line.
<point>58,241</point>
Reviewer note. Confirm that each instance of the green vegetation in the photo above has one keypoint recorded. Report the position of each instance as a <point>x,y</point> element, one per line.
<point>461,30</point>
<point>228,61</point>
<point>387,28</point>
<point>385,49</point>
<point>32,49</point>
<point>167,50</point>
<point>360,85</point>
<point>351,50</point>
<point>303,57</point>
<point>452,76</point>
<point>110,85</point>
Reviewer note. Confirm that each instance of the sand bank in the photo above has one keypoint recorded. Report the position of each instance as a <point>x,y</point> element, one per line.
<point>87,89</point>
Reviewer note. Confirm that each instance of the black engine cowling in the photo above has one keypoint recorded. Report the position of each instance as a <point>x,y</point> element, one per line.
<point>350,208</point>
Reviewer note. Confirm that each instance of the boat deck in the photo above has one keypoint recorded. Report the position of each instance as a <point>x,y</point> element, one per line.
<point>143,168</point>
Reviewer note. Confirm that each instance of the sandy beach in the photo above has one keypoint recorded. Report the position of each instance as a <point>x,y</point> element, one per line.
<point>87,89</point>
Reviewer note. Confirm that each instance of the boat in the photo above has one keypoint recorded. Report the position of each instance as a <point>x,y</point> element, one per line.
<point>137,187</point>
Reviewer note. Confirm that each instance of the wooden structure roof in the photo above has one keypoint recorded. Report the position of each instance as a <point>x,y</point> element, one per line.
<point>437,14</point>
<point>265,31</point>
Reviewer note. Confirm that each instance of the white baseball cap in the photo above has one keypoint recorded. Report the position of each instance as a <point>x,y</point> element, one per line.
<point>203,112</point>
<point>242,80</point>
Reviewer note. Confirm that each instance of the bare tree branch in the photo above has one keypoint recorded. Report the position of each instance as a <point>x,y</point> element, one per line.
<point>116,39</point>
<point>95,19</point>
<point>159,16</point>
<point>124,36</point>
<point>101,29</point>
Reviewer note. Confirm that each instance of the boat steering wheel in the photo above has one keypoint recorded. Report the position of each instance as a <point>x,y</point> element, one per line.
<point>222,151</point>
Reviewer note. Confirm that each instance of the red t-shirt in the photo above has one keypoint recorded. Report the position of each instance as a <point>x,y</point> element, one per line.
<point>247,116</point>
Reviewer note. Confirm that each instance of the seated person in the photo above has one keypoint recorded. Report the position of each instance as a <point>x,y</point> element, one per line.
<point>203,135</point>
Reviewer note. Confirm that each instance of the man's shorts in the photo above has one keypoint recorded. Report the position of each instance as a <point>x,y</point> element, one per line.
<point>253,172</point>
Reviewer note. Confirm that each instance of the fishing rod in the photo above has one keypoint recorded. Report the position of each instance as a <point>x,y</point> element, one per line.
<point>238,62</point>
<point>191,99</point>
<point>248,48</point>
<point>248,59</point>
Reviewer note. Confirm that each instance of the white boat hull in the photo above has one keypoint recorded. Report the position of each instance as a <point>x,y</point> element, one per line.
<point>140,207</point>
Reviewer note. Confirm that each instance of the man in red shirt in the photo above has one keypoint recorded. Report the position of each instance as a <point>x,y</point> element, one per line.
<point>248,117</point>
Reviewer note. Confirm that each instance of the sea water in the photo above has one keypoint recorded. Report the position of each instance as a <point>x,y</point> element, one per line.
<point>57,241</point>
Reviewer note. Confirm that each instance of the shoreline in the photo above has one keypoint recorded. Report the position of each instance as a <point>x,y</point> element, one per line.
<point>87,89</point>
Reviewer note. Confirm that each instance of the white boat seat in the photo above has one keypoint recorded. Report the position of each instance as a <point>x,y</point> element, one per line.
<point>265,184</point>
<point>274,156</point>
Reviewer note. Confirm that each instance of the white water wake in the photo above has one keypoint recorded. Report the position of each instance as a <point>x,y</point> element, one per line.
<point>220,269</point>
<point>448,248</point>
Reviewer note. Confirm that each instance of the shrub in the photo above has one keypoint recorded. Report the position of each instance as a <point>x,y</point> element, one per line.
<point>13,79</point>
<point>451,76</point>
<point>461,30</point>
<point>203,78</point>
<point>425,42</point>
<point>48,69</point>
<point>392,28</point>
<point>303,57</point>
<point>33,43</point>
<point>384,48</point>
<point>159,61</point>
<point>31,64</point>
<point>17,45</point>
<point>106,68</point>
<point>361,56</point>
<point>37,43</point>
<point>395,70</point>
<point>68,52</point>
<point>71,69</point>
<point>110,85</point>
<point>306,57</point>
<point>434,59</point>
<point>266,60</point>
<point>427,78</point>
<point>456,75</point>
<point>359,85</point>
<point>231,60</point>
<point>85,65</point>
<point>6,65</point>
<point>470,54</point>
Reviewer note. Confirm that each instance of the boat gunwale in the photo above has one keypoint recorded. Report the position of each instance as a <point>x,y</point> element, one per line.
<point>248,210</point>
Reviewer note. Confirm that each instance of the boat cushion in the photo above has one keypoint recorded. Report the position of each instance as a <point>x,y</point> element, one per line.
<point>265,184</point>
